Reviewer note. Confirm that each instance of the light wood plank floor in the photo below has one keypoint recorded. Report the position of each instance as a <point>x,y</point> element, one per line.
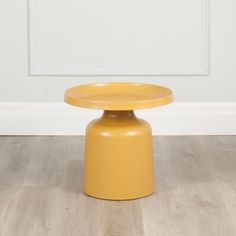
<point>41,191</point>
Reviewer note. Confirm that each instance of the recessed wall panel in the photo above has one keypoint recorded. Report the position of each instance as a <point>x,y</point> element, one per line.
<point>125,37</point>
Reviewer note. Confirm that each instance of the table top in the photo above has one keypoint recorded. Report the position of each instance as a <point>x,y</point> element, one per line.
<point>118,96</point>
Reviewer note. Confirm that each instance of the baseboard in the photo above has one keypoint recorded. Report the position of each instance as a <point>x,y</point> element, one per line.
<point>62,119</point>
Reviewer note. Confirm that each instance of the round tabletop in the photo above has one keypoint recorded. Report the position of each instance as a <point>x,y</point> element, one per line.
<point>118,96</point>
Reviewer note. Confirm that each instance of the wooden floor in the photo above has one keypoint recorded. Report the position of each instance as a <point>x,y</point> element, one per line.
<point>41,191</point>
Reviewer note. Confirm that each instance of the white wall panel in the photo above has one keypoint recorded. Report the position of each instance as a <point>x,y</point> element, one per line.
<point>17,85</point>
<point>119,37</point>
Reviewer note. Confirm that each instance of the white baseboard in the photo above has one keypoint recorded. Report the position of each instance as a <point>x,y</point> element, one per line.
<point>62,119</point>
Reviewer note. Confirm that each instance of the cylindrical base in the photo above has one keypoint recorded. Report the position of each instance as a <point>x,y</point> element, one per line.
<point>118,157</point>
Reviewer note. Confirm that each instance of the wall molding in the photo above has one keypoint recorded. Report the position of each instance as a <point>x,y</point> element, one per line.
<point>205,71</point>
<point>62,119</point>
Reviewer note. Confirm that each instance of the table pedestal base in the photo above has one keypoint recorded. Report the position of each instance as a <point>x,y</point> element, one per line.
<point>118,157</point>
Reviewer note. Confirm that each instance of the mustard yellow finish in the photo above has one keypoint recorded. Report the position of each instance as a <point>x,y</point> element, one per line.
<point>118,146</point>
<point>118,96</point>
<point>118,157</point>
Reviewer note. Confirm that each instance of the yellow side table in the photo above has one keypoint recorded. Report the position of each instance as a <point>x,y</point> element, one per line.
<point>118,146</point>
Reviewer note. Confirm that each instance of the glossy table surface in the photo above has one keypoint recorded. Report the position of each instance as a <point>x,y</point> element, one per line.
<point>118,96</point>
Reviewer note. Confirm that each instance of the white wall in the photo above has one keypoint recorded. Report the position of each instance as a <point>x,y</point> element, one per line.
<point>114,38</point>
<point>18,86</point>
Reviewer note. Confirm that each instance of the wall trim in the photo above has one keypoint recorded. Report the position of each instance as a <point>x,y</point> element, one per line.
<point>206,70</point>
<point>62,119</point>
